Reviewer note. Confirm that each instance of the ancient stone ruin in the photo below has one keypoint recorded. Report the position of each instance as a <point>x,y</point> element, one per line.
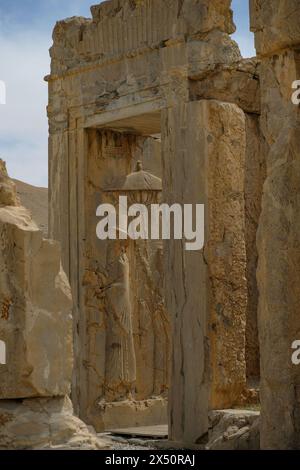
<point>161,334</point>
<point>36,336</point>
<point>277,34</point>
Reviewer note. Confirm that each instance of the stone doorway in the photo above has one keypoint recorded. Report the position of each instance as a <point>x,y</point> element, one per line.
<point>158,72</point>
<point>123,289</point>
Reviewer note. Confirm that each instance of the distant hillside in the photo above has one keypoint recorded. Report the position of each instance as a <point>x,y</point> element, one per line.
<point>36,200</point>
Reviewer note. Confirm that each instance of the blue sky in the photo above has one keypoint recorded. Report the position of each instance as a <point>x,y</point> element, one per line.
<point>25,37</point>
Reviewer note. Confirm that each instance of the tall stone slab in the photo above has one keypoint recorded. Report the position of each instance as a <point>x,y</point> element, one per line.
<point>277,30</point>
<point>35,305</point>
<point>239,83</point>
<point>206,290</point>
<point>255,174</point>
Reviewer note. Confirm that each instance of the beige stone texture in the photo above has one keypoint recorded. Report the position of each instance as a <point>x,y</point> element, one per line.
<point>122,414</point>
<point>35,199</point>
<point>276,24</point>
<point>230,429</point>
<point>277,27</point>
<point>237,83</point>
<point>35,307</point>
<point>209,317</point>
<point>211,53</point>
<point>44,424</point>
<point>187,15</point>
<point>225,251</point>
<point>120,27</point>
<point>233,430</point>
<point>36,328</point>
<point>255,174</point>
<point>8,196</point>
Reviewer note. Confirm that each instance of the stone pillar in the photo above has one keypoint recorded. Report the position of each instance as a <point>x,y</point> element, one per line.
<point>239,83</point>
<point>206,290</point>
<point>255,174</point>
<point>277,33</point>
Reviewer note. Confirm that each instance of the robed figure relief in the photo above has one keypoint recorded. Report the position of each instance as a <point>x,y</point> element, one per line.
<point>120,373</point>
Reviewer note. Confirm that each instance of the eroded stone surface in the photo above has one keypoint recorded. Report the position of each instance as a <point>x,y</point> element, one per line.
<point>35,199</point>
<point>36,327</point>
<point>225,251</point>
<point>35,320</point>
<point>237,83</point>
<point>44,423</point>
<point>8,195</point>
<point>133,413</point>
<point>255,174</point>
<point>209,317</point>
<point>118,28</point>
<point>277,26</point>
<point>233,430</point>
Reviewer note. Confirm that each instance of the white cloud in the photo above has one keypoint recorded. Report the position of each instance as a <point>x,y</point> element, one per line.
<point>23,122</point>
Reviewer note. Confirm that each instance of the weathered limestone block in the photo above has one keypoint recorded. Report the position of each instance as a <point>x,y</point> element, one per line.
<point>198,15</point>
<point>233,430</point>
<point>35,199</point>
<point>255,174</point>
<point>186,280</point>
<point>121,52</point>
<point>224,139</point>
<point>44,423</point>
<point>122,27</point>
<point>210,53</point>
<point>277,75</point>
<point>123,414</point>
<point>276,24</point>
<point>35,307</point>
<point>278,247</point>
<point>236,83</point>
<point>206,290</point>
<point>239,83</point>
<point>8,195</point>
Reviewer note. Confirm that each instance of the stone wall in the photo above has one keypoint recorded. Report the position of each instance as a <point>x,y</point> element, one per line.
<point>277,31</point>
